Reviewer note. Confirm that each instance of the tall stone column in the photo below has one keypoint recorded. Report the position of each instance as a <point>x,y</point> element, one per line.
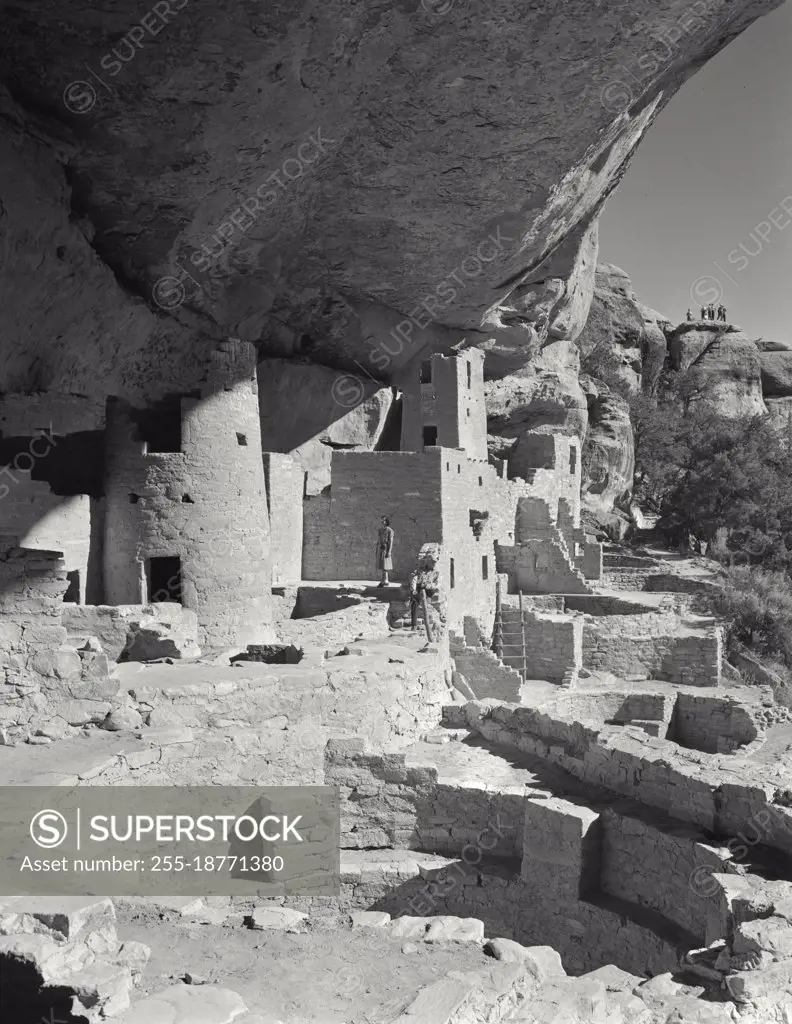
<point>187,482</point>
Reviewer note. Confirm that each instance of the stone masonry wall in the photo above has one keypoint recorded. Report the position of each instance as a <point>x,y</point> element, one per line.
<point>654,647</point>
<point>388,803</point>
<point>550,464</point>
<point>42,678</point>
<point>487,676</point>
<point>650,771</point>
<point>205,504</point>
<point>258,724</point>
<point>651,867</point>
<point>540,566</point>
<point>453,401</point>
<point>45,521</point>
<point>553,643</point>
<point>285,481</point>
<point>405,486</point>
<point>318,554</point>
<point>716,725</point>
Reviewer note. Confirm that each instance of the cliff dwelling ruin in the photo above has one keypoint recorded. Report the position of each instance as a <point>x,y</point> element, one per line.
<point>304,490</point>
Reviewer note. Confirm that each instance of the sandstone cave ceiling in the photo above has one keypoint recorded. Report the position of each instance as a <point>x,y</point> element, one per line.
<point>386,144</point>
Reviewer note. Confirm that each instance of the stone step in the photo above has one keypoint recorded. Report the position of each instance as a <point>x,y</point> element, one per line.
<point>187,1004</point>
<point>441,735</point>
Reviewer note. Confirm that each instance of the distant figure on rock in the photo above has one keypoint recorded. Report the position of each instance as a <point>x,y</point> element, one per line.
<point>425,582</point>
<point>722,313</point>
<point>689,315</point>
<point>703,313</point>
<point>711,311</point>
<point>385,537</point>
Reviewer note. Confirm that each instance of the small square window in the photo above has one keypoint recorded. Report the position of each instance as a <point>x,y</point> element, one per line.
<point>242,439</point>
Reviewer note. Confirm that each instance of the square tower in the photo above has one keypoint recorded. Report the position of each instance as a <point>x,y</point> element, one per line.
<point>443,404</point>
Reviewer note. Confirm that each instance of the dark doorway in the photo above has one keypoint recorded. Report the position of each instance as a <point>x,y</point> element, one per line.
<point>429,436</point>
<point>164,578</point>
<point>72,594</point>
<point>426,372</point>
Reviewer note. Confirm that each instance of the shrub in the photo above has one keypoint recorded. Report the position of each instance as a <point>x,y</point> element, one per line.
<point>756,605</point>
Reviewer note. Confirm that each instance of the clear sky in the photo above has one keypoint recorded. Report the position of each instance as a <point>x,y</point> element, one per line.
<point>707,185</point>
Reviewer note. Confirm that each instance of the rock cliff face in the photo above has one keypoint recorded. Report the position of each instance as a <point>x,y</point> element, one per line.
<point>349,182</point>
<point>728,363</point>
<point>621,337</point>
<point>608,455</point>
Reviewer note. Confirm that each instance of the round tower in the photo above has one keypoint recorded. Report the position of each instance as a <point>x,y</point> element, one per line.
<point>186,506</point>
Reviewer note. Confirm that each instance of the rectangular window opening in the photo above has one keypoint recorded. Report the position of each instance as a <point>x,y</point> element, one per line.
<point>160,428</point>
<point>451,573</point>
<point>429,437</point>
<point>163,576</point>
<point>572,458</point>
<point>484,567</point>
<point>426,372</point>
<point>469,376</point>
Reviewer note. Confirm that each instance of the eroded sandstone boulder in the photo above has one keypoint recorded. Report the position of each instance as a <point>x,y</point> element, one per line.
<point>727,364</point>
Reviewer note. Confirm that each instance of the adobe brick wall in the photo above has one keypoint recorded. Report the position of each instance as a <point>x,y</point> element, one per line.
<point>285,482</point>
<point>222,535</point>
